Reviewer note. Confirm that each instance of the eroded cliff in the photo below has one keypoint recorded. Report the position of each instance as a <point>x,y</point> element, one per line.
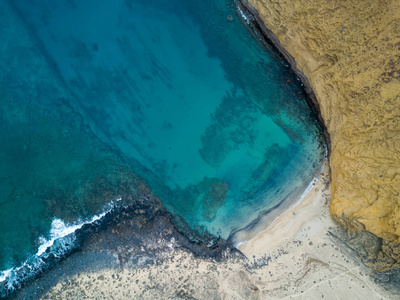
<point>350,54</point>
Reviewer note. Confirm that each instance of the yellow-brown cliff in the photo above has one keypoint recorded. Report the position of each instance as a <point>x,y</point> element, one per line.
<point>350,53</point>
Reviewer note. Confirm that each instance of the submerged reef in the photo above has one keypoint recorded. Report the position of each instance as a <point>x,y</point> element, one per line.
<point>349,55</point>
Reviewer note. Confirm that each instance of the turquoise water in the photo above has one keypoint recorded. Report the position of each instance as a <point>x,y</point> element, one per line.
<point>179,93</point>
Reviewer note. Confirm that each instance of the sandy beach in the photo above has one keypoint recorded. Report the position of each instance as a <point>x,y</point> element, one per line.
<point>346,56</point>
<point>294,258</point>
<point>306,218</point>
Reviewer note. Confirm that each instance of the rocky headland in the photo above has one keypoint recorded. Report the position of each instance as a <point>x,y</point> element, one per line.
<point>349,54</point>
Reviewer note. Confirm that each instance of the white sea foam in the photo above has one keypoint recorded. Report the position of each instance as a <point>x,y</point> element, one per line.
<point>243,15</point>
<point>59,229</point>
<point>4,274</point>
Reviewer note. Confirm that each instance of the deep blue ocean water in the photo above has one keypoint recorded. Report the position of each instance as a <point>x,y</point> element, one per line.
<point>179,93</point>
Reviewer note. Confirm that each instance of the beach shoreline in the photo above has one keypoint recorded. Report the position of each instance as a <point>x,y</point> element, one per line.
<point>309,205</point>
<point>294,258</point>
<point>270,218</point>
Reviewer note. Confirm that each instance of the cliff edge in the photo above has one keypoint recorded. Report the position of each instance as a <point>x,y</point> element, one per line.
<point>350,54</point>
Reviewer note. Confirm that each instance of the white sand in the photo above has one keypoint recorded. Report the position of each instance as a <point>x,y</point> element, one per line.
<point>304,263</point>
<point>308,218</point>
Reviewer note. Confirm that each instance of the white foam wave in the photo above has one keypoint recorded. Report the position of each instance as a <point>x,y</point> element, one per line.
<point>243,15</point>
<point>4,274</point>
<point>59,230</point>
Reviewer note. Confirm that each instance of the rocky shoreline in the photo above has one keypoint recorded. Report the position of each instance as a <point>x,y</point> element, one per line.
<point>91,254</point>
<point>268,38</point>
<point>139,250</point>
<point>297,256</point>
<point>134,236</point>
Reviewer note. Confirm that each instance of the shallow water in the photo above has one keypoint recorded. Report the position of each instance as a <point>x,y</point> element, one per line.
<point>179,93</point>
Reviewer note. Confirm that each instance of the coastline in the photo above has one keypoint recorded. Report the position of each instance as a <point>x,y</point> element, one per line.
<point>255,21</point>
<point>294,220</point>
<point>349,54</point>
<point>66,236</point>
<point>296,257</point>
<point>363,247</point>
<point>272,215</point>
<point>54,261</point>
<point>309,258</point>
<point>265,224</point>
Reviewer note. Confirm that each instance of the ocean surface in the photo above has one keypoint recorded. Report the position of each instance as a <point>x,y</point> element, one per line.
<point>100,98</point>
